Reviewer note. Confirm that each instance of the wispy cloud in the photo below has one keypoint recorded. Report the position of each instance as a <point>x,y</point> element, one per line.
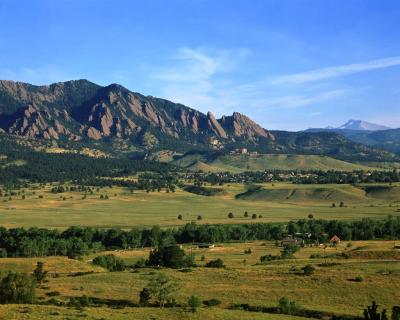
<point>337,71</point>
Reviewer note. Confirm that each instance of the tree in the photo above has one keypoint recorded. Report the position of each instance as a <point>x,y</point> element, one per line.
<point>194,302</point>
<point>199,217</point>
<point>144,297</point>
<point>396,313</point>
<point>39,273</point>
<point>17,288</point>
<point>246,214</point>
<point>162,288</point>
<point>371,313</point>
<point>170,257</point>
<point>254,216</point>
<point>179,217</point>
<point>230,215</point>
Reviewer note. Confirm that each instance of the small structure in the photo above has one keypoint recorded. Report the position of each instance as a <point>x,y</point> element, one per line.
<point>205,245</point>
<point>335,240</point>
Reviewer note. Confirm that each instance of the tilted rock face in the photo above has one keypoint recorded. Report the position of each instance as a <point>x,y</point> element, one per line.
<point>241,126</point>
<point>80,109</point>
<point>215,126</point>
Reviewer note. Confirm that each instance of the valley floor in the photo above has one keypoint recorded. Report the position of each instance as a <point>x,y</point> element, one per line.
<point>277,202</point>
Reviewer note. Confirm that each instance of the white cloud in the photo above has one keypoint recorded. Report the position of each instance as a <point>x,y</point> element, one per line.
<point>337,71</point>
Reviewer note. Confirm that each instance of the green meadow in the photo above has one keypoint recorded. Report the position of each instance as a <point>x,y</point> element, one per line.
<point>274,202</point>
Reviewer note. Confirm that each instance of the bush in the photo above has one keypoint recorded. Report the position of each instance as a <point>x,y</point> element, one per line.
<point>39,273</point>
<point>288,307</point>
<point>315,256</point>
<point>17,288</point>
<point>268,257</point>
<point>194,302</point>
<point>359,279</point>
<point>230,215</point>
<point>110,262</point>
<point>218,263</point>
<point>211,302</point>
<point>247,251</point>
<point>308,270</point>
<point>141,263</point>
<point>289,251</point>
<point>144,297</point>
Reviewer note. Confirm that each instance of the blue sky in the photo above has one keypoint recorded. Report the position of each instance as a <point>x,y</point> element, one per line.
<point>288,64</point>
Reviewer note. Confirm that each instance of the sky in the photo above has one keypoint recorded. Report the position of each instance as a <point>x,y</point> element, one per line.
<point>288,64</point>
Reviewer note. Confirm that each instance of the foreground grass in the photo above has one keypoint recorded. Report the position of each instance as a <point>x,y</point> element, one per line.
<point>330,288</point>
<point>35,312</point>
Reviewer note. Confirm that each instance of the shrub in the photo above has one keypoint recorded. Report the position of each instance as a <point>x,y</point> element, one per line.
<point>17,288</point>
<point>315,256</point>
<point>396,313</point>
<point>211,302</point>
<point>141,263</point>
<point>230,215</point>
<point>39,273</point>
<point>268,257</point>
<point>308,270</point>
<point>288,307</point>
<point>248,251</point>
<point>218,263</point>
<point>289,251</point>
<point>180,217</point>
<point>110,262</point>
<point>194,302</point>
<point>359,279</point>
<point>144,297</point>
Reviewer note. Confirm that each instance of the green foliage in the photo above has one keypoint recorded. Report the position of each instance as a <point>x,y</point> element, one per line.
<point>162,288</point>
<point>288,307</point>
<point>110,262</point>
<point>218,263</point>
<point>212,302</point>
<point>17,288</point>
<point>170,257</point>
<point>144,297</point>
<point>39,273</point>
<point>359,279</point>
<point>396,313</point>
<point>194,303</point>
<point>308,270</point>
<point>289,250</point>
<point>371,313</point>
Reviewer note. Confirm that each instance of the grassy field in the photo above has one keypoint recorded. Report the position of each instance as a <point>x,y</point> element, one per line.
<point>330,288</point>
<point>276,203</point>
<point>239,163</point>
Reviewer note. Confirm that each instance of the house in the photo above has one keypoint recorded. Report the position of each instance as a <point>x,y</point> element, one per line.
<point>335,240</point>
<point>205,245</point>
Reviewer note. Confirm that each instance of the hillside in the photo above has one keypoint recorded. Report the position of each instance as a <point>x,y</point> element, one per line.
<point>385,139</point>
<point>81,114</point>
<point>238,163</point>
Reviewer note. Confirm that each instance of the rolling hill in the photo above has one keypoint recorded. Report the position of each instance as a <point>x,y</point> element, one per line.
<point>238,163</point>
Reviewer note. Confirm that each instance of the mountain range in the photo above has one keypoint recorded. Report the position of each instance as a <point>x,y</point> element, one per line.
<point>76,113</point>
<point>361,125</point>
